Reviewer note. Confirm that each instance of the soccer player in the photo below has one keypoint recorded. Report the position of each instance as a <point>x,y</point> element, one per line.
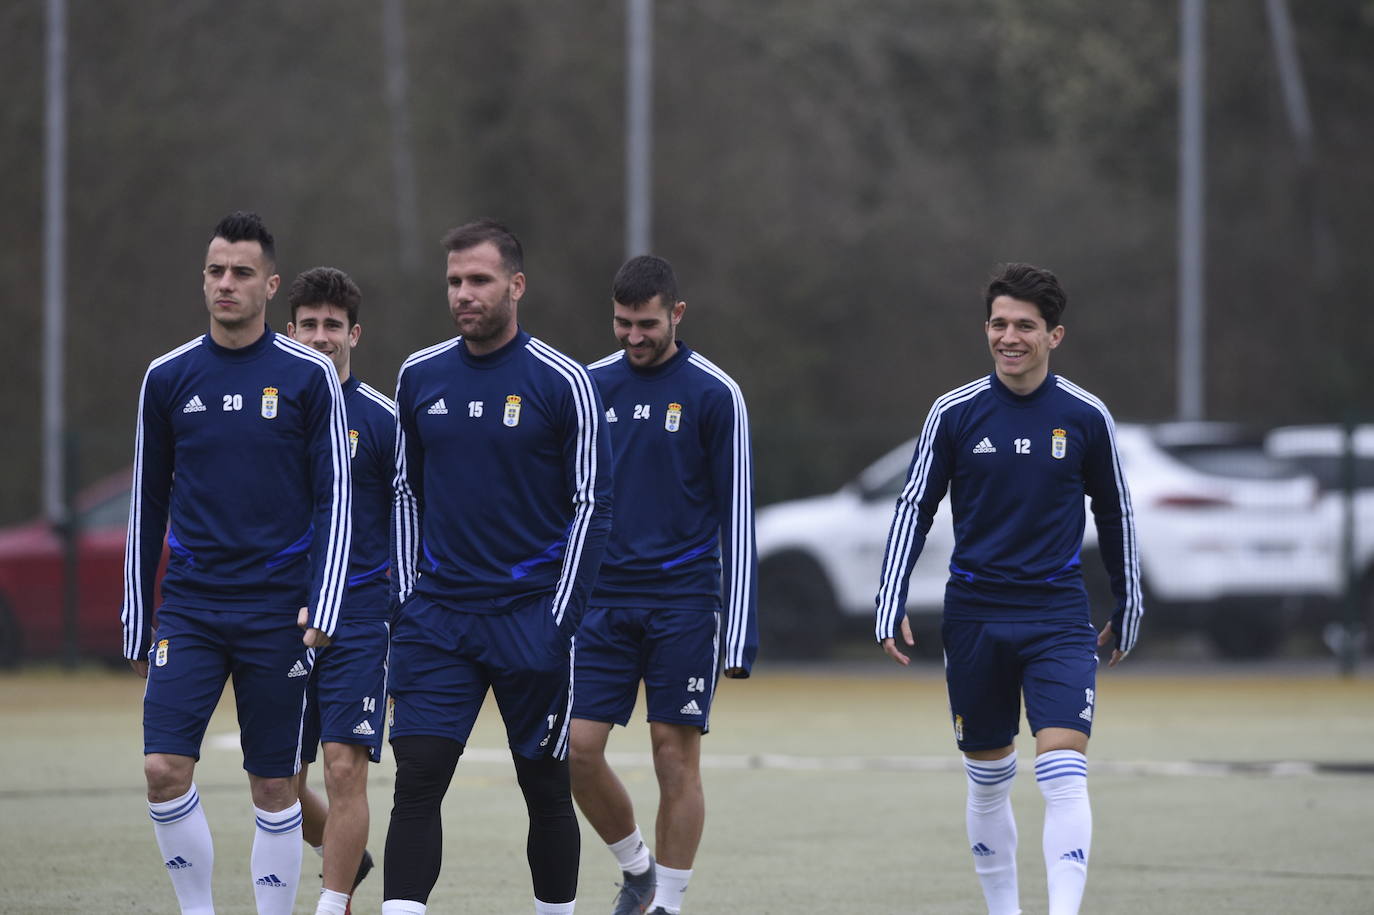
<point>1018,450</point>
<point>503,507</point>
<point>683,534</point>
<point>349,678</point>
<point>241,460</point>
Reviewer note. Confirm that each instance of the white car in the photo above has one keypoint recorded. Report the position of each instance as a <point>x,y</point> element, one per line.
<point>1231,541</point>
<point>1320,449</point>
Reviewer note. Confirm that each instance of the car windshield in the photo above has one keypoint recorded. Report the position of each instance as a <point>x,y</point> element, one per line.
<point>111,512</point>
<point>885,477</point>
<point>1248,462</point>
<point>1330,470</point>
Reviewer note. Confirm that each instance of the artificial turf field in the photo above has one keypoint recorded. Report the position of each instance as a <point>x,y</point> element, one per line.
<point>830,789</point>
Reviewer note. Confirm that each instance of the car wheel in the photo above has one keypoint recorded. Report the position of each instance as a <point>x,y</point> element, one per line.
<point>11,643</point>
<point>798,617</point>
<point>1247,630</point>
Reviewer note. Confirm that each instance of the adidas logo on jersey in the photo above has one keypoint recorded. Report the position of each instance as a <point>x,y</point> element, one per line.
<point>691,708</point>
<point>438,408</point>
<point>610,416</point>
<point>177,863</point>
<point>985,447</point>
<point>364,729</point>
<point>297,670</point>
<point>194,405</point>
<point>270,880</point>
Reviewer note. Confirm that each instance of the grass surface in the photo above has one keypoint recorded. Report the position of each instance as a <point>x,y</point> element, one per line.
<point>830,789</point>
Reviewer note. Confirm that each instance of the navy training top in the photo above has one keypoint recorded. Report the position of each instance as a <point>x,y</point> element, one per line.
<point>1016,468</point>
<point>241,461</point>
<point>683,535</point>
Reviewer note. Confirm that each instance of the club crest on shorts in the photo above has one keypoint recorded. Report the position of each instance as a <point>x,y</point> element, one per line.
<point>269,403</point>
<point>161,660</point>
<point>1059,444</point>
<point>512,415</point>
<point>673,420</point>
<point>352,443</point>
<point>958,727</point>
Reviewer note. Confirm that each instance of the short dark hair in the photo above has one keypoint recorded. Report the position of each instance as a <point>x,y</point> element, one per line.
<point>472,234</point>
<point>1032,284</point>
<point>641,278</point>
<point>241,225</point>
<point>326,286</point>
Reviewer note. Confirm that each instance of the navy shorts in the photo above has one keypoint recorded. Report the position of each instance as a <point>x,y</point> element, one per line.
<point>444,661</point>
<point>346,689</point>
<point>194,651</point>
<point>675,652</point>
<point>990,665</point>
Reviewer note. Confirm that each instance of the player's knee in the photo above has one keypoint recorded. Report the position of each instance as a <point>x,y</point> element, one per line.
<point>424,768</point>
<point>587,742</point>
<point>677,753</point>
<point>168,777</point>
<point>345,769</point>
<point>545,784</point>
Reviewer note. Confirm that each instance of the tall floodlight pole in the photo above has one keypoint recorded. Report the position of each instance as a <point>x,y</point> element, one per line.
<point>402,158</point>
<point>55,503</point>
<point>1191,210</point>
<point>639,91</point>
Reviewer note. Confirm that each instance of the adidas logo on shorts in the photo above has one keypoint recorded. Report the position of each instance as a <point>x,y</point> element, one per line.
<point>438,408</point>
<point>194,405</point>
<point>985,447</point>
<point>364,729</point>
<point>297,670</point>
<point>691,708</point>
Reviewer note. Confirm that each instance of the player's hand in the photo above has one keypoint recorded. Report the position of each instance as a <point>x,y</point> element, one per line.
<point>736,673</point>
<point>890,645</point>
<point>313,638</point>
<point>1106,636</point>
<point>140,667</point>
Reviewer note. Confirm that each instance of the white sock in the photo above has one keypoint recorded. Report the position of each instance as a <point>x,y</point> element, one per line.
<point>672,886</point>
<point>276,859</point>
<point>318,849</point>
<point>631,853</point>
<point>992,831</point>
<point>331,903</point>
<point>1063,779</point>
<point>183,837</point>
<point>403,907</point>
<point>554,908</point>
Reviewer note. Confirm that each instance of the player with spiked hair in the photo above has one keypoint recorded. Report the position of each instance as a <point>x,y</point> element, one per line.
<point>1017,450</point>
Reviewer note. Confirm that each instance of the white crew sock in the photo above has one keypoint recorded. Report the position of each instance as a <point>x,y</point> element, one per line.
<point>554,908</point>
<point>672,886</point>
<point>631,853</point>
<point>183,837</point>
<point>1063,779</point>
<point>403,907</point>
<point>331,903</point>
<point>992,831</point>
<point>276,859</point>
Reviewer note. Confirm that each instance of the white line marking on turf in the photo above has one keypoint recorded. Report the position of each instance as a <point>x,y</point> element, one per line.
<point>786,762</point>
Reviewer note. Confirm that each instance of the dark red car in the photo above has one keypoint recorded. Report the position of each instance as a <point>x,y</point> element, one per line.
<point>31,624</point>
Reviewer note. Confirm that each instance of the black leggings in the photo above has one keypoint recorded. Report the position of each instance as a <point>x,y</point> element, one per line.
<point>415,839</point>
<point>554,844</point>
